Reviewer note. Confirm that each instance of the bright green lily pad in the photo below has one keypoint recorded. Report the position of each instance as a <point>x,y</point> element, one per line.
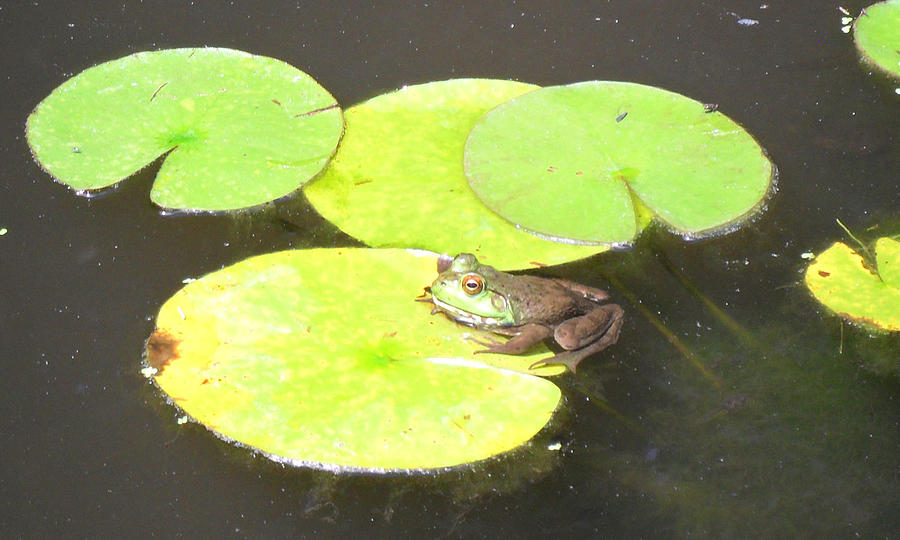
<point>839,279</point>
<point>323,357</point>
<point>397,179</point>
<point>877,36</point>
<point>575,162</point>
<point>239,129</point>
<point>887,257</point>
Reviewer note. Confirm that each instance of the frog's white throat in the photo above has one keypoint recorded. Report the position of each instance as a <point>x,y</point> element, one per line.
<point>465,317</point>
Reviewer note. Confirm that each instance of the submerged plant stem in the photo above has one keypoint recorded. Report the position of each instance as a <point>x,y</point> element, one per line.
<point>855,239</point>
<point>602,403</point>
<point>841,347</point>
<point>732,325</point>
<point>668,334</point>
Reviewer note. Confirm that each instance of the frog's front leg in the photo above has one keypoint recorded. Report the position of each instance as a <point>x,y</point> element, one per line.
<point>527,336</point>
<point>585,335</point>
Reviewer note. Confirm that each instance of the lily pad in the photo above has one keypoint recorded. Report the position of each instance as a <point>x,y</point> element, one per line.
<point>578,162</point>
<point>877,36</point>
<point>323,357</point>
<point>397,179</point>
<point>839,279</point>
<point>239,129</point>
<point>887,257</point>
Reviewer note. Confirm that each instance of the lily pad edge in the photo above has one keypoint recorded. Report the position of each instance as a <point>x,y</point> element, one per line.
<point>508,455</point>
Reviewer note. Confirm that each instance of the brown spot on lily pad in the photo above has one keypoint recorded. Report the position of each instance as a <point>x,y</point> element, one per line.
<point>443,263</point>
<point>823,273</point>
<point>162,348</point>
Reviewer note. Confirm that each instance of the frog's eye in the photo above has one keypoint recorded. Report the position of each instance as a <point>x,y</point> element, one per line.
<point>472,284</point>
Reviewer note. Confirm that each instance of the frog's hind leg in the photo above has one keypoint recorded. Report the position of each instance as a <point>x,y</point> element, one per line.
<point>606,321</point>
<point>600,325</point>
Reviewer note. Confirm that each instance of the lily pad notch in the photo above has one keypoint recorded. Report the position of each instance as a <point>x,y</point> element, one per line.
<point>593,162</point>
<point>237,130</point>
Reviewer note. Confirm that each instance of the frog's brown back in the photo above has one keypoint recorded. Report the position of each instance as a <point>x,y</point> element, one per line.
<point>546,301</point>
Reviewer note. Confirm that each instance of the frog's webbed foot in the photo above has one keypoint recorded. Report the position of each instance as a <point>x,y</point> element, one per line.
<point>569,359</point>
<point>488,341</point>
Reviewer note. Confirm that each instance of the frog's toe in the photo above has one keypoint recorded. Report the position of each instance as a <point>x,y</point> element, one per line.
<point>569,360</point>
<point>539,364</point>
<point>488,341</point>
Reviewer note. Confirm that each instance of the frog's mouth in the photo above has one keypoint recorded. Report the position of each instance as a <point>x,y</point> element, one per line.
<point>465,317</point>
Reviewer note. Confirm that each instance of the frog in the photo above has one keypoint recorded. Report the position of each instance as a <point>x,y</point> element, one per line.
<point>530,309</point>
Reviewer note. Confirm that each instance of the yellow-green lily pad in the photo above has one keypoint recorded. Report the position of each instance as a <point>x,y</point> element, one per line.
<point>324,357</point>
<point>583,162</point>
<point>397,179</point>
<point>839,279</point>
<point>239,129</point>
<point>887,257</point>
<point>877,36</point>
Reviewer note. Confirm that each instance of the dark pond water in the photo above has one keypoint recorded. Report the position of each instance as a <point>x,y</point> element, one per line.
<point>797,439</point>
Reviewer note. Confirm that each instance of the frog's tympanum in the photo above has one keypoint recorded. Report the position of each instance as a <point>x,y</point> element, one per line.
<point>529,308</point>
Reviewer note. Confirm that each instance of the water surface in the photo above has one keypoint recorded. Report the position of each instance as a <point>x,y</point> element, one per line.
<point>790,436</point>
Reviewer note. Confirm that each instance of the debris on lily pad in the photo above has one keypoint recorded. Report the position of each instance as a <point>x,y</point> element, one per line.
<point>587,161</point>
<point>877,36</point>
<point>840,279</point>
<point>324,358</point>
<point>237,130</point>
<point>397,179</point>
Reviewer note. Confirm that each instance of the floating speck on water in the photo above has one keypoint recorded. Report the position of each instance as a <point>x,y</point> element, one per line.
<point>747,22</point>
<point>3,231</point>
<point>182,420</point>
<point>808,255</point>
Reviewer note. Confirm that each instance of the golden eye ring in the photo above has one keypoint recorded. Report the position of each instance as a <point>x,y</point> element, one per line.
<point>472,284</point>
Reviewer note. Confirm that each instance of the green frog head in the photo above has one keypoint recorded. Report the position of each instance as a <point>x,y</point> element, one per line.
<point>471,293</point>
